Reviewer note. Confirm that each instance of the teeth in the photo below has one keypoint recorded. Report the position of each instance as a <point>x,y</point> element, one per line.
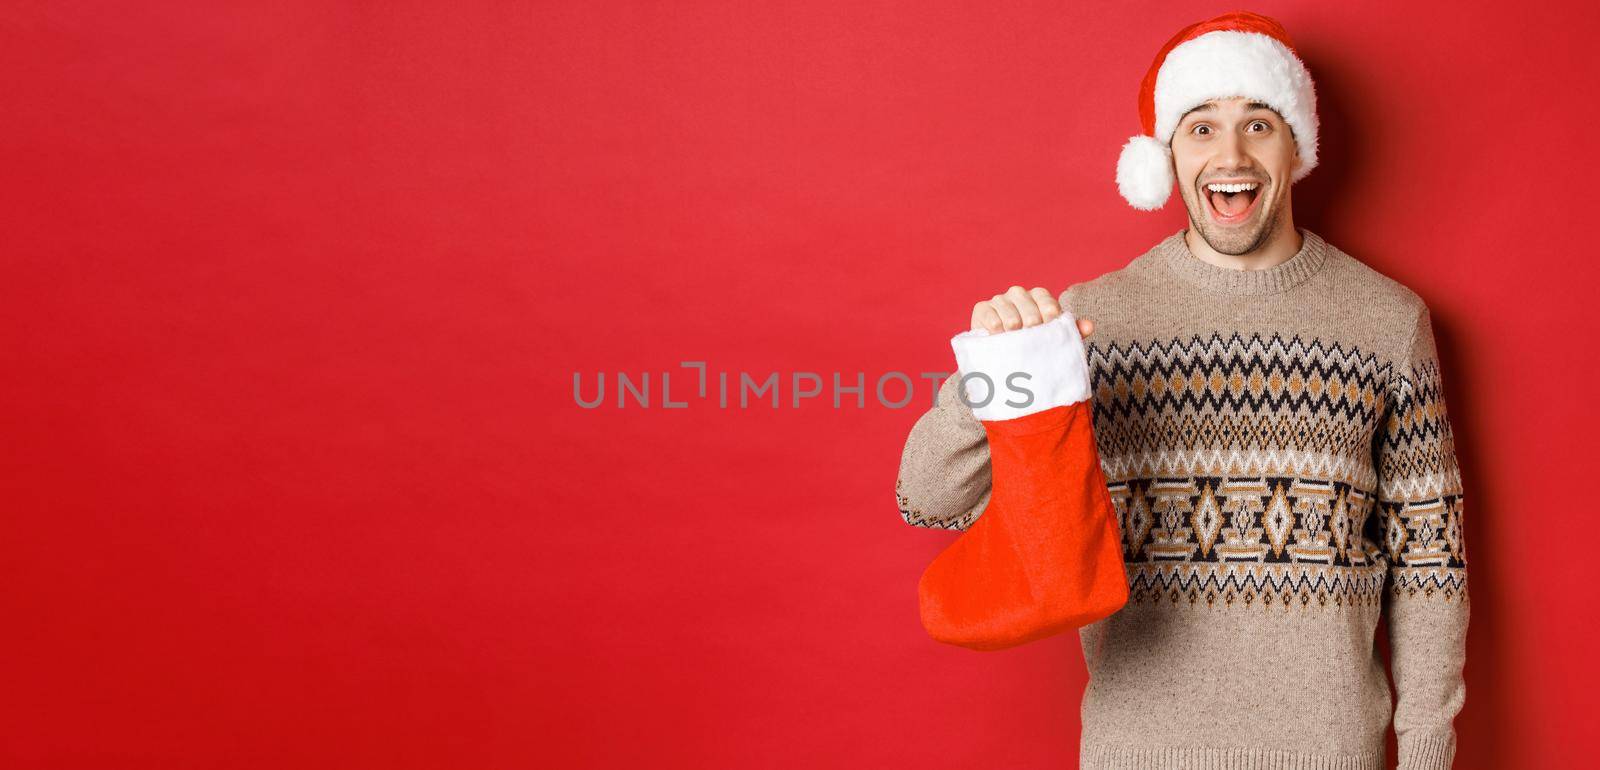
<point>1232,188</point>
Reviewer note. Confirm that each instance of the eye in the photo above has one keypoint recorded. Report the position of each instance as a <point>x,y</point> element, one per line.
<point>1200,129</point>
<point>1265,126</point>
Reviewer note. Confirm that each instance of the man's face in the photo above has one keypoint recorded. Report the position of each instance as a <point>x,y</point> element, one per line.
<point>1245,146</point>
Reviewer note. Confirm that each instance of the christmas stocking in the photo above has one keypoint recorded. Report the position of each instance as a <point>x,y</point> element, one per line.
<point>1045,556</point>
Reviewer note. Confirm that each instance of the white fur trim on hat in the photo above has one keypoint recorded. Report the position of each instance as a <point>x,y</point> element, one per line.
<point>1144,173</point>
<point>1225,64</point>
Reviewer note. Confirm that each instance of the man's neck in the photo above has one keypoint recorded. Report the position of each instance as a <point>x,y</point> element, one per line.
<point>1283,244</point>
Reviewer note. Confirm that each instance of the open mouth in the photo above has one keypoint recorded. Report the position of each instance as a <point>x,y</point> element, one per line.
<point>1232,202</point>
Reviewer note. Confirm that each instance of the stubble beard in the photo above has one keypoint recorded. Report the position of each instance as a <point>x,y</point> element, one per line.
<point>1233,241</point>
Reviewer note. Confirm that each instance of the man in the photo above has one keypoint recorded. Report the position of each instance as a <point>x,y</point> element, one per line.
<point>1269,417</point>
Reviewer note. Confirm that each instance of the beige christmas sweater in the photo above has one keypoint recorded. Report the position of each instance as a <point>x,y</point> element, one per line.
<point>1277,448</point>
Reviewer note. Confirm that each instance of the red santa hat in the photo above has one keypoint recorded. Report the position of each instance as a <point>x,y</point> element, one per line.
<point>1237,54</point>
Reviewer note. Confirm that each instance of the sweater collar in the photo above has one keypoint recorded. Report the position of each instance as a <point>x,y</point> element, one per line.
<point>1173,252</point>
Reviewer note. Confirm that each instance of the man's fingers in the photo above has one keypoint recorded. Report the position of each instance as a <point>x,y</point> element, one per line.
<point>1009,317</point>
<point>1085,327</point>
<point>984,317</point>
<point>1048,308</point>
<point>1017,308</point>
<point>1023,302</point>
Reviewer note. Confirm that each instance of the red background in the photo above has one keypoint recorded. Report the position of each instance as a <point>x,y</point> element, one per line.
<point>292,471</point>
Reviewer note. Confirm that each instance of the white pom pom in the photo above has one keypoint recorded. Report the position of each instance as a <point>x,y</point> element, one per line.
<point>1144,173</point>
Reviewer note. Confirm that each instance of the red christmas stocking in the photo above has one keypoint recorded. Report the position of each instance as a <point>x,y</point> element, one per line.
<point>1045,556</point>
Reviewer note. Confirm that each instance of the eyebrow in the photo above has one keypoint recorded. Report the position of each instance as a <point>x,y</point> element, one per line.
<point>1209,107</point>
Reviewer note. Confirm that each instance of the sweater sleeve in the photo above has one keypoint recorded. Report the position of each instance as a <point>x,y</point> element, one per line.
<point>944,469</point>
<point>1420,504</point>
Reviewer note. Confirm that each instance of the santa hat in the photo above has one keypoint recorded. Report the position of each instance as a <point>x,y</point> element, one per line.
<point>1237,54</point>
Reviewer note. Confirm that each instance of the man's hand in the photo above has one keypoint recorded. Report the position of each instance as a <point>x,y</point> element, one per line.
<point>1018,308</point>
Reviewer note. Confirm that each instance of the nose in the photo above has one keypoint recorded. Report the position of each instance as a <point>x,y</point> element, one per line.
<point>1230,152</point>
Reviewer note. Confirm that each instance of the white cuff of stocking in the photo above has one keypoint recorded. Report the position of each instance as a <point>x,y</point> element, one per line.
<point>1023,371</point>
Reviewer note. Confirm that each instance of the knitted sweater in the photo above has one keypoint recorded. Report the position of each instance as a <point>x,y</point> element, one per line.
<point>1277,448</point>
